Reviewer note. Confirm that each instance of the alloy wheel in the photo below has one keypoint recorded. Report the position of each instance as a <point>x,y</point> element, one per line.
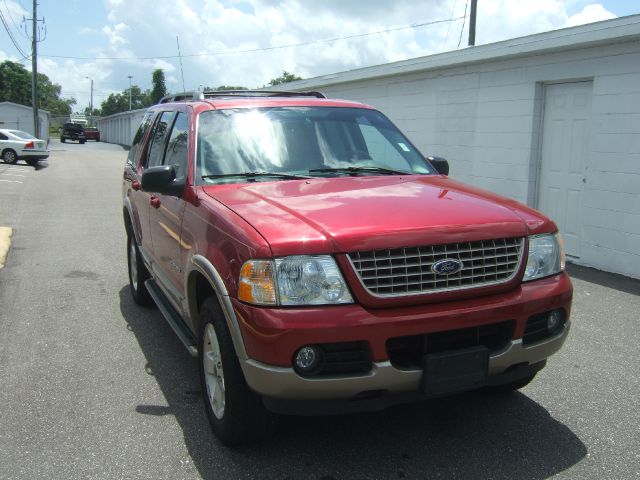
<point>213,371</point>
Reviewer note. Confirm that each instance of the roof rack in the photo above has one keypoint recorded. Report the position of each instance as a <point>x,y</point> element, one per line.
<point>260,93</point>
<point>184,96</point>
<point>181,97</point>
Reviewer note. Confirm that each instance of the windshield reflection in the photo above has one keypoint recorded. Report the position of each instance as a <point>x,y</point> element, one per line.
<point>295,140</point>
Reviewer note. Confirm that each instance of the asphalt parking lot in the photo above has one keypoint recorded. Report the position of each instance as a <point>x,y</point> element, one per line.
<point>93,386</point>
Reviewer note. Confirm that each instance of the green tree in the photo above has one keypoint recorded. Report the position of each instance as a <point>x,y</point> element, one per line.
<point>15,86</point>
<point>119,102</point>
<point>223,88</point>
<point>285,78</point>
<point>159,87</point>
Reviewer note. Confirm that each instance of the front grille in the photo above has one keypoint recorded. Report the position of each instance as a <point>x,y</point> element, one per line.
<point>408,271</point>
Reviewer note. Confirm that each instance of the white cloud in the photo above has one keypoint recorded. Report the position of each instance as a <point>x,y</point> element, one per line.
<point>224,28</point>
<point>589,14</point>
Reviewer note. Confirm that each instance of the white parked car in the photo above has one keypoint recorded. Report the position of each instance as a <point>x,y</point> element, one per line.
<point>18,145</point>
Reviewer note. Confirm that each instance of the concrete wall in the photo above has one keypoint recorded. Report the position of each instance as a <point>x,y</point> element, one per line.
<point>121,127</point>
<point>20,117</point>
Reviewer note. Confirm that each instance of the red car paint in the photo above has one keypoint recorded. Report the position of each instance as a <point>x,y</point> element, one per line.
<point>232,223</point>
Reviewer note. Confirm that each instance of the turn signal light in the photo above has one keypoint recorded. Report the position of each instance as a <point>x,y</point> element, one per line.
<point>256,283</point>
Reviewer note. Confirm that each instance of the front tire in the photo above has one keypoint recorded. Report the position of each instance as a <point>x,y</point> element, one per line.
<point>62,139</point>
<point>138,273</point>
<point>82,142</point>
<point>236,413</point>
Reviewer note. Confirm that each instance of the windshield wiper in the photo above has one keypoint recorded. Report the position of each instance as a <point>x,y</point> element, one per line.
<point>356,170</point>
<point>286,176</point>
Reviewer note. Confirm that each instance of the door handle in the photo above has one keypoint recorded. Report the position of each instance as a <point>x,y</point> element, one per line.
<point>155,202</point>
<point>135,185</point>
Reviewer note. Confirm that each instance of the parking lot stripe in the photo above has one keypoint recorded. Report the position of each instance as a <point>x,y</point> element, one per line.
<point>10,181</point>
<point>5,243</point>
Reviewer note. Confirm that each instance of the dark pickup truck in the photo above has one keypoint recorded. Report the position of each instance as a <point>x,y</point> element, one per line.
<point>72,131</point>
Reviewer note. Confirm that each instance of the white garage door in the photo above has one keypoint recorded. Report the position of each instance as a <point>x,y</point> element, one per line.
<point>565,138</point>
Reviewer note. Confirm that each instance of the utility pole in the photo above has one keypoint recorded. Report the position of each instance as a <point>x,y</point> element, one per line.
<point>130,77</point>
<point>90,100</point>
<point>34,71</point>
<point>472,23</point>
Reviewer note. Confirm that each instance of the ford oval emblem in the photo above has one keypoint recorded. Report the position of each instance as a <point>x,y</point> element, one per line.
<point>448,266</point>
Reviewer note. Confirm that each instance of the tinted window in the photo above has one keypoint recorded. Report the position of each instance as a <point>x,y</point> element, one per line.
<point>177,147</point>
<point>137,138</point>
<point>3,137</point>
<point>74,127</point>
<point>158,139</point>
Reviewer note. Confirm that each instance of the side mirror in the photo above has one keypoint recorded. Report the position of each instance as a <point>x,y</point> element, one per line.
<point>440,164</point>
<point>162,179</point>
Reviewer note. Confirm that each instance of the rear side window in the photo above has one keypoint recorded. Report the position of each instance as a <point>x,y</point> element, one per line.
<point>137,138</point>
<point>177,147</point>
<point>3,137</point>
<point>158,139</point>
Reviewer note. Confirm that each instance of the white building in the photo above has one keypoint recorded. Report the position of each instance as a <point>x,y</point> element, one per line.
<point>120,127</point>
<point>551,120</point>
<point>20,117</point>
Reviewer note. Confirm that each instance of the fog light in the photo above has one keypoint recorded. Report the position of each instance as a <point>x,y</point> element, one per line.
<point>554,319</point>
<point>307,359</point>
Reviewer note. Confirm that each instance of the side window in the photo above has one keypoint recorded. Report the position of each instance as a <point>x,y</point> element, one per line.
<point>158,140</point>
<point>137,138</point>
<point>177,147</point>
<point>3,137</point>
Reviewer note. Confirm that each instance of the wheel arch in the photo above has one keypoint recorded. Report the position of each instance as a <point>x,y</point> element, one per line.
<point>204,281</point>
<point>128,217</point>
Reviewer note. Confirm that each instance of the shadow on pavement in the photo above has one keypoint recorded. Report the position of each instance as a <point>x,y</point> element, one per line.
<point>605,279</point>
<point>476,435</point>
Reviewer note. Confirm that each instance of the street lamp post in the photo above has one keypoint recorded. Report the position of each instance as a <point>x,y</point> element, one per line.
<point>130,77</point>
<point>91,100</point>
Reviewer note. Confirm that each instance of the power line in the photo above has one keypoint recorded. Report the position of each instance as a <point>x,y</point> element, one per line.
<point>13,21</point>
<point>453,10</point>
<point>463,22</point>
<point>13,40</point>
<point>263,49</point>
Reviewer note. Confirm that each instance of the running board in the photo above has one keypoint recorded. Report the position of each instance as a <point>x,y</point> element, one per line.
<point>172,317</point>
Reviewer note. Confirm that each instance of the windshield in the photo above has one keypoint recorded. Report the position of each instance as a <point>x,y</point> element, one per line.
<point>301,141</point>
<point>21,134</point>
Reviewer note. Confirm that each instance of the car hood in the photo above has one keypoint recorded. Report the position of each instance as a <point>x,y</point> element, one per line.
<point>332,215</point>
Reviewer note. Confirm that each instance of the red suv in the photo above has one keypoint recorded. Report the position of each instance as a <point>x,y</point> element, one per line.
<point>316,262</point>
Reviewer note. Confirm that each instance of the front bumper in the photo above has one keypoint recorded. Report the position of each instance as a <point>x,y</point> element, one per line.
<point>285,383</point>
<point>272,336</point>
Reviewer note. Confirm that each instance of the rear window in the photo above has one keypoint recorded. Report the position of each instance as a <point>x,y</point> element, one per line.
<point>74,126</point>
<point>21,134</point>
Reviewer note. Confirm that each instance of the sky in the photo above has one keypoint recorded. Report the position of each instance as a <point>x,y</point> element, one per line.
<point>249,42</point>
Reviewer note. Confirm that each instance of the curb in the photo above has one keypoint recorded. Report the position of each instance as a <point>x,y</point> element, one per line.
<point>5,243</point>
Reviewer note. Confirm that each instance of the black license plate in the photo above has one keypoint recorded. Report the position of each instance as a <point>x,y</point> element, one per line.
<point>456,371</point>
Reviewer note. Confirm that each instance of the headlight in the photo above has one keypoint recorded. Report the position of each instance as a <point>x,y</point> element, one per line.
<point>295,280</point>
<point>546,257</point>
